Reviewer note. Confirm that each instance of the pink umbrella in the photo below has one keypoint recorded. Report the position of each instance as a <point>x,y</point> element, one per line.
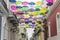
<point>24,3</point>
<point>13,7</point>
<point>50,1</point>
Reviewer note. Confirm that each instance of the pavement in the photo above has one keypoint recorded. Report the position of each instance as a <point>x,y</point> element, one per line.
<point>55,37</point>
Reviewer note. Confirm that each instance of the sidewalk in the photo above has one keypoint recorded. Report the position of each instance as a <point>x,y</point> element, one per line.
<point>55,37</point>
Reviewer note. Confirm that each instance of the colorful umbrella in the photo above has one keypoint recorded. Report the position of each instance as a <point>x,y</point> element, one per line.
<point>25,8</point>
<point>39,3</point>
<point>26,16</point>
<point>18,6</point>
<point>26,25</point>
<point>12,0</point>
<point>20,9</point>
<point>25,3</point>
<point>18,2</point>
<point>37,9</point>
<point>50,1</point>
<point>43,10</point>
<point>37,6</point>
<point>31,9</point>
<point>20,13</point>
<point>31,3</point>
<point>13,7</point>
<point>37,12</point>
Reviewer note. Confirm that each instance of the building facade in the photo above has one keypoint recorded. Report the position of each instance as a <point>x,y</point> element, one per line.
<point>51,20</point>
<point>8,29</point>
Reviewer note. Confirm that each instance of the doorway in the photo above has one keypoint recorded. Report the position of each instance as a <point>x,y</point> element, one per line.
<point>58,22</point>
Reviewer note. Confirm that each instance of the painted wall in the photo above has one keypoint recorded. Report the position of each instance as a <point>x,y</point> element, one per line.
<point>52,20</point>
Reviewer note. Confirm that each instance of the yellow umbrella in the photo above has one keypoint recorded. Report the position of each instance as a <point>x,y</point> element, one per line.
<point>38,2</point>
<point>32,13</point>
<point>43,9</point>
<point>26,25</point>
<point>26,16</point>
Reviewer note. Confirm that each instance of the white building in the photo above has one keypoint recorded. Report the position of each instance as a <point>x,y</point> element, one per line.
<point>8,30</point>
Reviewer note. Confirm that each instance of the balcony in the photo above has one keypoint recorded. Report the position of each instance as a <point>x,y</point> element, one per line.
<point>12,19</point>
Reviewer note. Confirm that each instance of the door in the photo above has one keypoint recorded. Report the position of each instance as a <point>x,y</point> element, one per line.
<point>58,22</point>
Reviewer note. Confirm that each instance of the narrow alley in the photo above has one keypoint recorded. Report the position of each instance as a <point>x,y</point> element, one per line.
<point>29,19</point>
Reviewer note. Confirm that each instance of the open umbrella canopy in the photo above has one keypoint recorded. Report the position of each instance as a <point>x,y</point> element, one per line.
<point>30,11</point>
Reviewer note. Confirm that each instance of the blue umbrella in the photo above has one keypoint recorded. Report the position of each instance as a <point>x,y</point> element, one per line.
<point>19,7</point>
<point>12,0</point>
<point>37,9</point>
<point>31,3</point>
<point>31,9</point>
<point>49,3</point>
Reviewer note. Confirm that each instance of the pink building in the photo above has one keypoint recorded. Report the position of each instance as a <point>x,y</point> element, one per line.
<point>52,18</point>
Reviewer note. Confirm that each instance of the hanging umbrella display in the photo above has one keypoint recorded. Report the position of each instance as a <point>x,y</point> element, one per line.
<point>30,12</point>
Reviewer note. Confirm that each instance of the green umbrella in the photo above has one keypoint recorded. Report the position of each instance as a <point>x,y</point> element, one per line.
<point>25,8</point>
<point>37,6</point>
<point>18,2</point>
<point>20,9</point>
<point>37,12</point>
